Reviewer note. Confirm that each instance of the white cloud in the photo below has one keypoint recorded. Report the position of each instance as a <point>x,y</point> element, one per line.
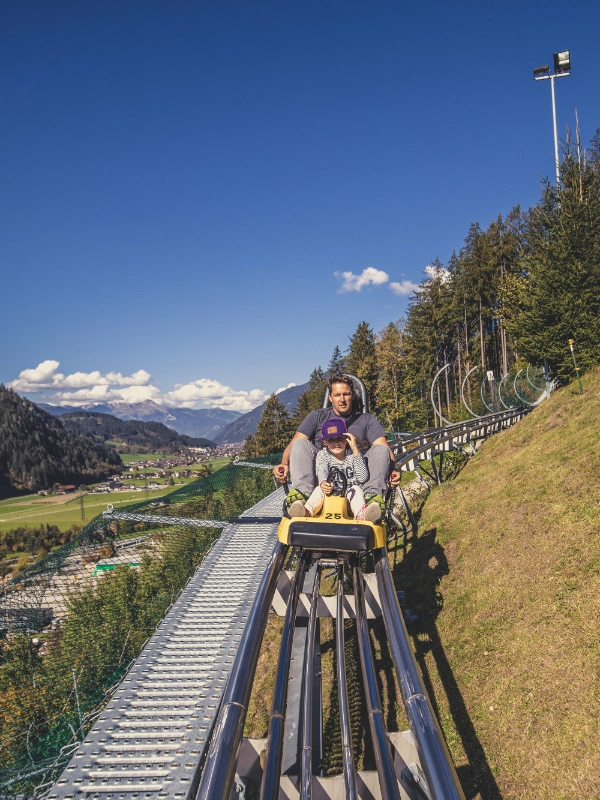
<point>213,394</point>
<point>404,287</point>
<point>355,283</point>
<point>83,388</point>
<point>283,388</point>
<point>104,394</point>
<point>437,272</point>
<point>46,376</point>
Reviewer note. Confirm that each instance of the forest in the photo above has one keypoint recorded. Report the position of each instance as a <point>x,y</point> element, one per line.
<point>136,436</point>
<point>514,293</point>
<point>36,451</point>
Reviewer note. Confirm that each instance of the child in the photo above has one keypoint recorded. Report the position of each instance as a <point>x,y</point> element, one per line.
<point>340,451</point>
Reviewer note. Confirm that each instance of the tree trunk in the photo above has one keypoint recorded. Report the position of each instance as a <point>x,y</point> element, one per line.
<point>481,339</point>
<point>447,387</point>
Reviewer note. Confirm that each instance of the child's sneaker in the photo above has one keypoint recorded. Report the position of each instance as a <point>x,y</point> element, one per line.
<point>361,514</point>
<point>375,507</point>
<point>372,512</point>
<point>297,509</point>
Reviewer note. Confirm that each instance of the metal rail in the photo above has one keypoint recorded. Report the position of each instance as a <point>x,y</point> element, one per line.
<point>436,763</point>
<point>381,746</point>
<point>457,428</point>
<point>408,459</point>
<point>274,749</point>
<point>215,754</point>
<point>347,754</point>
<point>307,694</point>
<point>219,769</point>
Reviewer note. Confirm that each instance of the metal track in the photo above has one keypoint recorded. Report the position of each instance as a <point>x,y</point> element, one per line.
<point>151,738</point>
<point>160,736</point>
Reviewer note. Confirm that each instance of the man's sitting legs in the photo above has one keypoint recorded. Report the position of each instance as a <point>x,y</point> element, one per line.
<point>302,470</point>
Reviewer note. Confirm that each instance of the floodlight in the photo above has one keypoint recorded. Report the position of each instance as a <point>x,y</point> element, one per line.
<point>562,62</point>
<point>541,72</point>
<point>562,67</point>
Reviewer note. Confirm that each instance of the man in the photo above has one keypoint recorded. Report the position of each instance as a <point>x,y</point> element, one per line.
<point>298,459</point>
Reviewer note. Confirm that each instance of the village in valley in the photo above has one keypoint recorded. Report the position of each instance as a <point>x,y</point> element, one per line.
<point>144,472</point>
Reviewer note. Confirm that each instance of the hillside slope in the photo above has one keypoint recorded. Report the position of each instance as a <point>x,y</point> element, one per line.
<point>36,451</point>
<point>237,430</point>
<point>142,436</point>
<point>505,577</point>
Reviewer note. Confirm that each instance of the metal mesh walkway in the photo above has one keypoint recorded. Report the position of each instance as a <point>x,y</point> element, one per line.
<point>149,740</point>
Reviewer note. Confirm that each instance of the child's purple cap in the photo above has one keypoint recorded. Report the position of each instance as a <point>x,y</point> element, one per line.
<point>333,428</point>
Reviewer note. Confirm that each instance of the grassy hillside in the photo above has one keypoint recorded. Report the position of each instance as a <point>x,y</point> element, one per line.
<point>505,577</point>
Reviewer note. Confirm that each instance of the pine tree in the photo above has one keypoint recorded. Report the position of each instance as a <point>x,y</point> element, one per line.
<point>249,449</point>
<point>556,295</point>
<point>312,397</point>
<point>274,429</point>
<point>362,360</point>
<point>337,363</point>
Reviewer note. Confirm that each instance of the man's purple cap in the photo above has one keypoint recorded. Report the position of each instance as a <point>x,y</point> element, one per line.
<point>333,428</point>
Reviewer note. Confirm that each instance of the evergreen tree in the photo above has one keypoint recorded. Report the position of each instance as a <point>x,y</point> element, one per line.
<point>392,373</point>
<point>36,451</point>
<point>556,295</point>
<point>593,155</point>
<point>249,449</point>
<point>337,363</point>
<point>312,397</point>
<point>430,329</point>
<point>275,428</point>
<point>362,360</point>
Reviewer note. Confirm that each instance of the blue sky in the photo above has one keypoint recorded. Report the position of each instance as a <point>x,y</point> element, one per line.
<point>181,181</point>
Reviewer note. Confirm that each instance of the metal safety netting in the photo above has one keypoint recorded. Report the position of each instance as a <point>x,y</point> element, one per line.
<point>71,623</point>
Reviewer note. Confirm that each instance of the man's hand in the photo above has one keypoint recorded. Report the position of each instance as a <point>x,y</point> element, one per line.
<point>395,478</point>
<point>281,471</point>
<point>326,487</point>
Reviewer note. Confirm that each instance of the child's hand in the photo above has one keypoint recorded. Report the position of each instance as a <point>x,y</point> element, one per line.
<point>351,439</point>
<point>326,487</point>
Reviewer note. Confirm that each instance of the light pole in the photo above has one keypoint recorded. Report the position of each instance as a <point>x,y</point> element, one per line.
<point>562,68</point>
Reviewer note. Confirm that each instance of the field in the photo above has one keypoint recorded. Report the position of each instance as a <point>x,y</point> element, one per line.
<point>24,511</point>
<point>64,510</point>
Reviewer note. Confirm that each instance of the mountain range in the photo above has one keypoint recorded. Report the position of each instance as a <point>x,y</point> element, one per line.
<point>237,430</point>
<point>137,436</point>
<point>217,424</point>
<point>203,423</point>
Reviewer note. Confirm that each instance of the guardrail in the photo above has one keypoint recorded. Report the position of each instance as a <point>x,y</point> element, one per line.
<point>424,446</point>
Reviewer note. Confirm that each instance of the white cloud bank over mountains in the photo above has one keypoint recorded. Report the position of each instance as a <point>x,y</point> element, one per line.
<point>81,388</point>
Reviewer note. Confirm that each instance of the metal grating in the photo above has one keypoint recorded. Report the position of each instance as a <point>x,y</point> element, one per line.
<point>149,740</point>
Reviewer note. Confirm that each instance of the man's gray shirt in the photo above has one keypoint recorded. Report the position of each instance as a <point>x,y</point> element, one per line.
<point>364,426</point>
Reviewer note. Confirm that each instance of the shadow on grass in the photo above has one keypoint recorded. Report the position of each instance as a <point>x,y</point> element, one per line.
<point>418,573</point>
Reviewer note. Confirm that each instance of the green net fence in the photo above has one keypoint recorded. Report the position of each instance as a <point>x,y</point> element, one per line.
<point>71,624</point>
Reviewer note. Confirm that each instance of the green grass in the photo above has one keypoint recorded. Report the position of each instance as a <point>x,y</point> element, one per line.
<point>18,512</point>
<point>21,515</point>
<point>505,578</point>
<point>24,498</point>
